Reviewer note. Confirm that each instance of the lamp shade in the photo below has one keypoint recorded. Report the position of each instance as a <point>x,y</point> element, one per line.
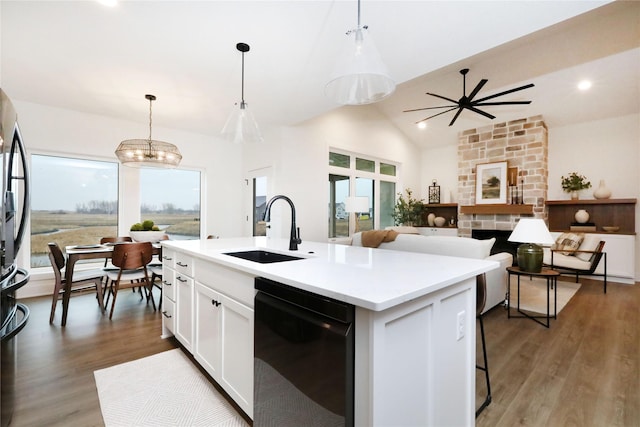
<point>531,230</point>
<point>360,77</point>
<point>241,126</point>
<point>356,204</point>
<point>144,152</point>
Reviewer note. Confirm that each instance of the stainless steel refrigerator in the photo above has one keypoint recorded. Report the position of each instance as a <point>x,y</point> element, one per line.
<point>13,221</point>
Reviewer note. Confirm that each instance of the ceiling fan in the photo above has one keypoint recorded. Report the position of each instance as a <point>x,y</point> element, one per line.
<point>469,103</point>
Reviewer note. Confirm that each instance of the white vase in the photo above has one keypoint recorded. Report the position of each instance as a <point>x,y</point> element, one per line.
<point>431,219</point>
<point>602,192</point>
<point>439,221</point>
<point>582,216</point>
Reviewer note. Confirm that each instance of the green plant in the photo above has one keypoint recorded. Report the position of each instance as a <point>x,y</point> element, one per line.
<point>407,211</point>
<point>146,225</point>
<point>575,182</point>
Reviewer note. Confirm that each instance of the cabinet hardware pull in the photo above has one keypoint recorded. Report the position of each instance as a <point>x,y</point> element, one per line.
<point>164,313</point>
<point>181,279</point>
<point>164,282</point>
<point>216,303</point>
<point>167,258</point>
<point>181,264</point>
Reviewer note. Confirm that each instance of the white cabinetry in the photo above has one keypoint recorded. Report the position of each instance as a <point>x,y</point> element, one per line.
<point>213,311</point>
<point>184,300</point>
<point>438,231</point>
<point>168,293</point>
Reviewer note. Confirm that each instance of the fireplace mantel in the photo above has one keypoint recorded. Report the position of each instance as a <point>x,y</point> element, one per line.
<point>497,209</point>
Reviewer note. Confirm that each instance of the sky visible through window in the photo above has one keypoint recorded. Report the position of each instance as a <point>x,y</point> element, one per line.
<point>86,180</point>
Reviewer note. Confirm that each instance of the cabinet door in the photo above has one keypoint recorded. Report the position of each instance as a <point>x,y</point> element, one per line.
<point>237,353</point>
<point>208,339</point>
<point>223,343</point>
<point>184,310</point>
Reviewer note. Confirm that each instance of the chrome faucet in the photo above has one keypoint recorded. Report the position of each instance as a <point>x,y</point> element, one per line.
<point>294,237</point>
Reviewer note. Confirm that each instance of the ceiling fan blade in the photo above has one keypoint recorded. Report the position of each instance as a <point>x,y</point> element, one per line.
<point>456,116</point>
<point>476,110</point>
<point>443,97</point>
<point>505,92</point>
<point>442,112</point>
<point>475,104</point>
<point>477,89</point>
<point>430,108</point>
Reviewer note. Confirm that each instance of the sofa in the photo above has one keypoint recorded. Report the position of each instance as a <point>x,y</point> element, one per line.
<point>464,247</point>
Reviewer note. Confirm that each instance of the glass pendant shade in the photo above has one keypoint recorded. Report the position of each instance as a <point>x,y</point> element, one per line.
<point>360,77</point>
<point>241,126</point>
<point>148,152</point>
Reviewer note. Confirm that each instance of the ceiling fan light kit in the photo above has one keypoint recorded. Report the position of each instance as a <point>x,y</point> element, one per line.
<point>360,77</point>
<point>148,152</point>
<point>468,102</point>
<point>241,126</point>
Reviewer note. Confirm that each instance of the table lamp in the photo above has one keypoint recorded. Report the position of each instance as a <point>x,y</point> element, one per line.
<point>356,205</point>
<point>531,232</point>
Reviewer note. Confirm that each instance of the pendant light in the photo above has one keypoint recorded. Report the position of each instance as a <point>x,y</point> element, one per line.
<point>241,126</point>
<point>147,152</point>
<point>360,77</point>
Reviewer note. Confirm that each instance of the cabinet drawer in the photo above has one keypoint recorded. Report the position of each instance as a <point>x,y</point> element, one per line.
<point>230,282</point>
<point>168,257</point>
<point>168,314</point>
<point>184,264</point>
<point>169,283</point>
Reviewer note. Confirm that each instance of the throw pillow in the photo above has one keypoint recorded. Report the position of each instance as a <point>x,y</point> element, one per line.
<point>568,241</point>
<point>590,243</point>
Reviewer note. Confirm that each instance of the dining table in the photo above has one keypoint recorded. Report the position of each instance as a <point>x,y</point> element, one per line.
<point>76,253</point>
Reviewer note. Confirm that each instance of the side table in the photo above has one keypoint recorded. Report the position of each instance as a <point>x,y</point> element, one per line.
<point>552,282</point>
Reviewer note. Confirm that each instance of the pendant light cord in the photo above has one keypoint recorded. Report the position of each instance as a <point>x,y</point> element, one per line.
<point>242,88</point>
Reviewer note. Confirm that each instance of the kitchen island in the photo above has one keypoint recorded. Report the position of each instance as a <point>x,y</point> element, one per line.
<point>414,320</point>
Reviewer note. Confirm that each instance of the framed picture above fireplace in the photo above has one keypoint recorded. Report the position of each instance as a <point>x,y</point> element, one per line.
<point>491,183</point>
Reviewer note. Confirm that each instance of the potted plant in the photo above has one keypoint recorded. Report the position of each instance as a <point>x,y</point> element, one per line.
<point>573,183</point>
<point>146,231</point>
<point>407,211</point>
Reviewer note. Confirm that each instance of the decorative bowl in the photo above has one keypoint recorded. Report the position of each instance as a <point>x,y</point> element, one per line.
<point>146,236</point>
<point>611,228</point>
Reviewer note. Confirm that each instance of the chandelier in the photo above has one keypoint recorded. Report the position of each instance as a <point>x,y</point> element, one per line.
<point>148,152</point>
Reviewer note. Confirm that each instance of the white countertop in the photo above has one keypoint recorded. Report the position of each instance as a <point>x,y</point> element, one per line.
<point>375,279</point>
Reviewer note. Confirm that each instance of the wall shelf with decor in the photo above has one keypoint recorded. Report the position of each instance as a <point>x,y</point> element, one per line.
<point>445,210</point>
<point>497,209</point>
<point>602,212</point>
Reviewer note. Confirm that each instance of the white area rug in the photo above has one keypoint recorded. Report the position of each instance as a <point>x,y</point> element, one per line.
<point>533,294</point>
<point>165,389</point>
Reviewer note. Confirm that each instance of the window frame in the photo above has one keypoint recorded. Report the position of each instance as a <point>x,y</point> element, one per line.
<point>354,173</point>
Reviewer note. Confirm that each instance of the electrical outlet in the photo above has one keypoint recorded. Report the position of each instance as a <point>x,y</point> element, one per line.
<point>460,324</point>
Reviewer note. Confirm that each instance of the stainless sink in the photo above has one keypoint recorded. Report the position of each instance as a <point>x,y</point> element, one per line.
<point>263,257</point>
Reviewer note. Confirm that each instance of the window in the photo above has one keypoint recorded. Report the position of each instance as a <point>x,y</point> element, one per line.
<point>73,201</point>
<point>171,199</point>
<point>259,205</point>
<point>363,177</point>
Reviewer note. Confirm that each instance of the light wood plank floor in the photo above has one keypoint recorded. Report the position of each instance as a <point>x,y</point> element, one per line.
<point>583,371</point>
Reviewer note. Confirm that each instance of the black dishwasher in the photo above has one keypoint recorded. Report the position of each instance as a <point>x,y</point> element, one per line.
<point>304,357</point>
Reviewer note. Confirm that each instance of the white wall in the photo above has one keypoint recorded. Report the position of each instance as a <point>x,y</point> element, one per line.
<point>300,158</point>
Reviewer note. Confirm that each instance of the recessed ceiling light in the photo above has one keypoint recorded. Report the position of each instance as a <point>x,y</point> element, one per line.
<point>422,125</point>
<point>584,85</point>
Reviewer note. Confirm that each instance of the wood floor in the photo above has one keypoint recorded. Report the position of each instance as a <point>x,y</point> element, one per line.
<point>583,371</point>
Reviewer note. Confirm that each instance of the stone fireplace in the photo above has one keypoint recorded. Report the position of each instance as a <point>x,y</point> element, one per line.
<point>522,143</point>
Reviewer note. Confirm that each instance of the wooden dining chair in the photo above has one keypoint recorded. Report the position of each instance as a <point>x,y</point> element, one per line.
<point>116,239</point>
<point>131,260</point>
<point>82,280</point>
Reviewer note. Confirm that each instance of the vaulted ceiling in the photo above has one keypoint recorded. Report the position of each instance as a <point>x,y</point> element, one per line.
<point>84,56</point>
